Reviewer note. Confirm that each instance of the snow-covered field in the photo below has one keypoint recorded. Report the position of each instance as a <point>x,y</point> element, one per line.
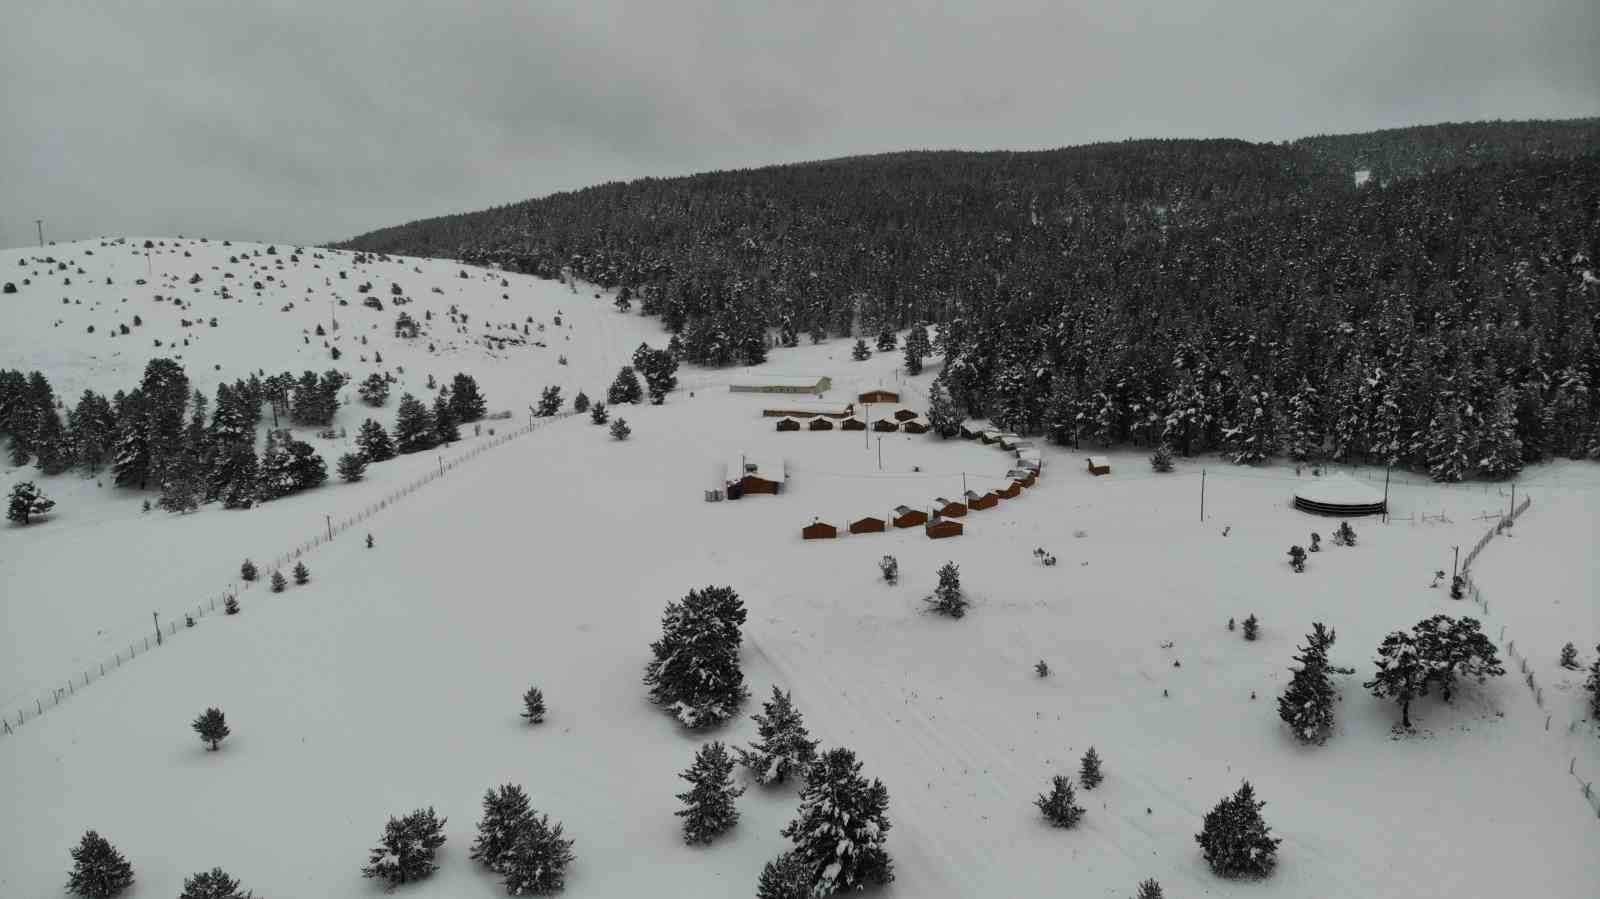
<point>393,679</point>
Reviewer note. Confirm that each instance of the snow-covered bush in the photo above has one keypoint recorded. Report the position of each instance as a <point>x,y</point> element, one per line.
<point>1058,806</point>
<point>709,803</point>
<point>98,870</point>
<point>406,851</point>
<point>695,673</point>
<point>1235,840</point>
<point>784,747</point>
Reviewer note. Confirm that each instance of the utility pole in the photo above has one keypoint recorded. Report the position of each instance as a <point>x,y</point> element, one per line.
<point>157,620</point>
<point>330,526</point>
<point>39,223</point>
<point>880,454</point>
<point>1455,564</point>
<point>1386,493</point>
<point>1513,498</point>
<point>1202,494</point>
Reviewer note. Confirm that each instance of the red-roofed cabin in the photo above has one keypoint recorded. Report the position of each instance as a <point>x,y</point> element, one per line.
<point>819,530</point>
<point>867,525</point>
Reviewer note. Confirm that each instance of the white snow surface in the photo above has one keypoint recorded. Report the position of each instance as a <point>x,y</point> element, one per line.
<point>393,679</point>
<point>1338,489</point>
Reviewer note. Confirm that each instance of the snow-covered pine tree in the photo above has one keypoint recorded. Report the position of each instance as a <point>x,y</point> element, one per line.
<point>1452,648</point>
<point>373,442</point>
<point>413,426</point>
<point>352,467</point>
<point>446,430</point>
<point>1251,435</point>
<point>549,401</point>
<point>374,391</point>
<point>1303,436</point>
<point>278,582</point>
<point>1445,445</point>
<point>943,417</point>
<point>841,826</point>
<point>1251,626</point>
<point>213,884</point>
<point>1235,840</point>
<point>26,501</point>
<point>302,574</point>
<point>784,747</point>
<point>505,814</point>
<point>1089,770</point>
<point>98,870</point>
<point>620,429</point>
<point>1569,657</point>
<point>947,598</point>
<point>1499,450</point>
<point>598,414</point>
<point>1058,805</point>
<point>466,402</point>
<point>785,877</point>
<point>1161,459</point>
<point>1344,535</point>
<point>234,476</point>
<point>536,863</point>
<point>533,705</point>
<point>1593,686</point>
<point>212,727</point>
<point>695,670</point>
<point>625,389</point>
<point>887,342</point>
<point>890,567</point>
<point>406,851</point>
<point>247,571</point>
<point>709,808</point>
<point>1402,673</point>
<point>916,349</point>
<point>860,352</point>
<point>1297,557</point>
<point>1307,703</point>
<point>1149,889</point>
<point>580,403</point>
<point>230,605</point>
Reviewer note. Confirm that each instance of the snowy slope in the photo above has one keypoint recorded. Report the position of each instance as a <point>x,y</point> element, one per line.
<point>393,679</point>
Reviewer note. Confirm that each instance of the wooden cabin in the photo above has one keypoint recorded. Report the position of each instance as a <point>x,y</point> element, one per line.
<point>939,528</point>
<point>820,424</point>
<point>1013,442</point>
<point>1023,476</point>
<point>852,424</point>
<point>907,517</point>
<point>1099,465</point>
<point>867,525</point>
<point>970,431</point>
<point>788,424</point>
<point>977,501</point>
<point>808,409</point>
<point>886,424</point>
<point>904,414</point>
<point>990,436</point>
<point>750,476</point>
<point>819,530</point>
<point>915,426</point>
<point>947,508</point>
<point>1011,491</point>
<point>879,395</point>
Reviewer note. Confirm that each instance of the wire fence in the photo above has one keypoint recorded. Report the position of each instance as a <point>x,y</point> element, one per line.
<point>212,605</point>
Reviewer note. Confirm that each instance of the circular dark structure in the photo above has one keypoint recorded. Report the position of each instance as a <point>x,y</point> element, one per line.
<point>1338,495</point>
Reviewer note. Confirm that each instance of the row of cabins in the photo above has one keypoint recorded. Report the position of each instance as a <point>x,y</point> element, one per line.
<point>936,528</point>
<point>905,420</point>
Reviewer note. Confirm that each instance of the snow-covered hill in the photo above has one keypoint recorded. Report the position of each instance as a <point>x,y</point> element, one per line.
<point>393,679</point>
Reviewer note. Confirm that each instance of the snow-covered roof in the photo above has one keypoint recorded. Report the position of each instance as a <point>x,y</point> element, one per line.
<point>1338,490</point>
<point>767,469</point>
<point>1100,461</point>
<point>776,381</point>
<point>812,406</point>
<point>1018,474</point>
<point>943,502</point>
<point>903,510</point>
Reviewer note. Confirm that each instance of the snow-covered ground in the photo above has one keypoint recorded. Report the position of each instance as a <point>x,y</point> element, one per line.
<point>393,679</point>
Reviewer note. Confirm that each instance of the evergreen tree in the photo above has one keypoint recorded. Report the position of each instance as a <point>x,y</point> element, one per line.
<point>213,884</point>
<point>1252,434</point>
<point>860,352</point>
<point>1402,673</point>
<point>598,414</point>
<point>1499,449</point>
<point>916,349</point>
<point>25,502</point>
<point>784,747</point>
<point>549,401</point>
<point>1149,889</point>
<point>785,877</point>
<point>943,417</point>
<point>91,430</point>
<point>620,429</point>
<point>1569,657</point>
<point>247,571</point>
<point>306,468</point>
<point>1452,648</point>
<point>505,814</point>
<point>1446,445</point>
<point>278,582</point>
<point>947,598</point>
<point>230,605</point>
<point>373,442</point>
<point>1593,686</point>
<point>1089,770</point>
<point>234,476</point>
<point>181,489</point>
<point>1161,459</point>
<point>580,403</point>
<point>352,467</point>
<point>1235,840</point>
<point>1251,627</point>
<point>709,804</point>
<point>625,389</point>
<point>406,851</point>
<point>98,870</point>
<point>413,426</point>
<point>212,727</point>
<point>1344,535</point>
<point>302,574</point>
<point>1307,703</point>
<point>1297,558</point>
<point>1057,807</point>
<point>1303,437</point>
<point>374,390</point>
<point>466,402</point>
<point>131,454</point>
<point>887,342</point>
<point>445,428</point>
<point>841,826</point>
<point>54,454</point>
<point>533,706</point>
<point>536,863</point>
<point>695,673</point>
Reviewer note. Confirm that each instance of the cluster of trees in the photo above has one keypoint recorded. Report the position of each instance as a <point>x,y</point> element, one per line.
<point>1434,654</point>
<point>1209,295</point>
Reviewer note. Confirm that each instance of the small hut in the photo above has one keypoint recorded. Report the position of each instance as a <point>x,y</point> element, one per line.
<point>879,395</point>
<point>990,435</point>
<point>869,524</point>
<point>977,502</point>
<point>852,424</point>
<point>939,528</point>
<point>1023,476</point>
<point>819,530</point>
<point>746,476</point>
<point>904,414</point>
<point>1099,465</point>
<point>820,424</point>
<point>915,426</point>
<point>886,425</point>
<point>1011,490</point>
<point>971,431</point>
<point>788,424</point>
<point>948,508</point>
<point>907,517</point>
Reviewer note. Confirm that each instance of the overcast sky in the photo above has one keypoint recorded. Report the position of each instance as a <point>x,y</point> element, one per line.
<point>303,122</point>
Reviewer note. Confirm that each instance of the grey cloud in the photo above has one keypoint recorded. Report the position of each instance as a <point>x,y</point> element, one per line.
<point>300,122</point>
